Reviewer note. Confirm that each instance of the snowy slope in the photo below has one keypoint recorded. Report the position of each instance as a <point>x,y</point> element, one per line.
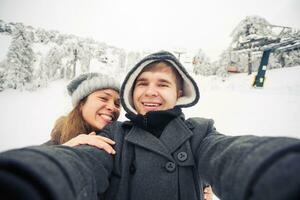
<point>237,108</point>
<point>27,117</point>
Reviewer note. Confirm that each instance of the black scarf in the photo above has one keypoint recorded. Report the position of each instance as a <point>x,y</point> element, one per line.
<point>154,121</point>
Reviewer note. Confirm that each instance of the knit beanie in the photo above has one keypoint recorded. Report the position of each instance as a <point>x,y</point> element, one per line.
<point>190,89</point>
<point>87,83</point>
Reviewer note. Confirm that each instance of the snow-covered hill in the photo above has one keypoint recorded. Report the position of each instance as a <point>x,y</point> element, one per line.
<point>237,108</point>
<point>27,118</point>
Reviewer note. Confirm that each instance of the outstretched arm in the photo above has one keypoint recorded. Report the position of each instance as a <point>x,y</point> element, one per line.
<point>237,167</point>
<point>56,172</point>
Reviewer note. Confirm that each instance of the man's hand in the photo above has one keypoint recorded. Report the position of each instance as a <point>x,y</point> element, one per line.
<point>208,193</point>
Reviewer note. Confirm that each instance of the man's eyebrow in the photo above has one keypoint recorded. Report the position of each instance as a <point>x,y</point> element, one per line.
<point>141,79</point>
<point>164,81</point>
<point>160,80</point>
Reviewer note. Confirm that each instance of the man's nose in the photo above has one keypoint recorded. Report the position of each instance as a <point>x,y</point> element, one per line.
<point>151,91</point>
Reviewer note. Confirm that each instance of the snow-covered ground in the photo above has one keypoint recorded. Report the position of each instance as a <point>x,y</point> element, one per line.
<point>26,118</point>
<point>237,108</point>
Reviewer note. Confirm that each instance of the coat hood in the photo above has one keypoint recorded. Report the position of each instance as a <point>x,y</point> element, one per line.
<point>191,92</point>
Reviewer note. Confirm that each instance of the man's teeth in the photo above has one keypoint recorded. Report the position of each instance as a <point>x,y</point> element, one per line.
<point>151,104</point>
<point>107,117</point>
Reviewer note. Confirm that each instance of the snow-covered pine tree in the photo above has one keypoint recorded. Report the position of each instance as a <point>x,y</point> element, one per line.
<point>41,36</point>
<point>70,56</point>
<point>52,63</point>
<point>2,68</point>
<point>20,57</point>
<point>250,32</point>
<point>5,28</point>
<point>85,54</point>
<point>223,63</point>
<point>40,72</point>
<point>2,25</point>
<point>252,27</point>
<point>202,65</point>
<point>122,59</point>
<point>292,58</point>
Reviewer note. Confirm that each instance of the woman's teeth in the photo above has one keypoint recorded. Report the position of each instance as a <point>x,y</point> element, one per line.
<point>106,117</point>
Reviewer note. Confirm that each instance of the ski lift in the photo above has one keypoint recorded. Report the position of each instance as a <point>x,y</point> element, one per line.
<point>287,45</point>
<point>268,45</point>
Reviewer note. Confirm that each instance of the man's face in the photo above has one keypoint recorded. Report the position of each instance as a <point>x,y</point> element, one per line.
<point>155,90</point>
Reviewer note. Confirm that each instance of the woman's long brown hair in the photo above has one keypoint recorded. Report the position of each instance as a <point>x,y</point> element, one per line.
<point>68,127</point>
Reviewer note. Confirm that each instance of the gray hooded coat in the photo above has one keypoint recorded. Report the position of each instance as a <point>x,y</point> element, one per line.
<point>172,167</point>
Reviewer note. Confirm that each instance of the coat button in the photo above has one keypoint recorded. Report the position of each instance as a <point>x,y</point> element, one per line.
<point>182,156</point>
<point>170,166</point>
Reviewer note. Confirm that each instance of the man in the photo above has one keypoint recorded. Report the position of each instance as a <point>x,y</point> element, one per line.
<point>159,154</point>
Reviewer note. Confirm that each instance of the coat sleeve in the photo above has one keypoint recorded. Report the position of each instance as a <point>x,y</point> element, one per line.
<point>55,172</point>
<point>238,167</point>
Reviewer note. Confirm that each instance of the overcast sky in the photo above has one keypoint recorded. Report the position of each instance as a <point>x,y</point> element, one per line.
<point>153,24</point>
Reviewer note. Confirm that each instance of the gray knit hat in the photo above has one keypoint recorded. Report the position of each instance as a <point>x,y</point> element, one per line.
<point>190,89</point>
<point>87,83</point>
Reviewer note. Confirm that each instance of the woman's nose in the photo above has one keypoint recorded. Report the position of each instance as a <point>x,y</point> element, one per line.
<point>111,105</point>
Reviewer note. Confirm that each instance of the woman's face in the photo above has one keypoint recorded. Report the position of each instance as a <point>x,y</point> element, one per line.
<point>101,108</point>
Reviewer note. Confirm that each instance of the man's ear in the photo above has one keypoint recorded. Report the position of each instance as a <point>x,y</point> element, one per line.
<point>179,93</point>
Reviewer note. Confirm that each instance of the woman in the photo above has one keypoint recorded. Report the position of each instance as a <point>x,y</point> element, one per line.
<point>96,103</point>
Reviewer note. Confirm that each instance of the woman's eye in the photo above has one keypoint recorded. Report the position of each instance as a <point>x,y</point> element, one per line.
<point>103,98</point>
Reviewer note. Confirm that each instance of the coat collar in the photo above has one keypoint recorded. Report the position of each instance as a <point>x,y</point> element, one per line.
<point>173,136</point>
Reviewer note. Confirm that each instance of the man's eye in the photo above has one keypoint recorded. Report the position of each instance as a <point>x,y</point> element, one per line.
<point>141,84</point>
<point>163,85</point>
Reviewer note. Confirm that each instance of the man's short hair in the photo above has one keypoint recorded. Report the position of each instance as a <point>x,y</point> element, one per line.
<point>159,66</point>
